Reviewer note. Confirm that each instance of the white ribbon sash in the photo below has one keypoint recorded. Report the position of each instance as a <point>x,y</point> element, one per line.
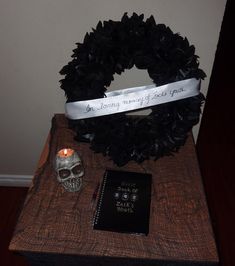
<point>133,98</point>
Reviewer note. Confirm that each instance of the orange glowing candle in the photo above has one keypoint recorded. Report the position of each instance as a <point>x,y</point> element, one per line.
<point>65,153</point>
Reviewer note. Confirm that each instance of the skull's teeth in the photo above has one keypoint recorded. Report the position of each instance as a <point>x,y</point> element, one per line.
<point>72,185</point>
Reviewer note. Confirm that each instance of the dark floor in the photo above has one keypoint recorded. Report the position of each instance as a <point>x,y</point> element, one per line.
<point>11,200</point>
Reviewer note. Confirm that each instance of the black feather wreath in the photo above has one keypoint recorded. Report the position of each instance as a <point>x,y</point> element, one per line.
<point>118,45</point>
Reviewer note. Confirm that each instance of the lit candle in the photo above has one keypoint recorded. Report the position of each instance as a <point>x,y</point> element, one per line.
<point>64,153</point>
<point>69,169</point>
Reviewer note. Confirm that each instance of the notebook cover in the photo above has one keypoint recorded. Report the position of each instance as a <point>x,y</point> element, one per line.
<point>124,202</point>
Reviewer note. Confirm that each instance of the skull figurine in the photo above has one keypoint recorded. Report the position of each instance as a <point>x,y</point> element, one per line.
<point>69,169</point>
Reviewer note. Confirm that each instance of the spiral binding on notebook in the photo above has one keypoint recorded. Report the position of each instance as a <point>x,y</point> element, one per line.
<point>97,213</point>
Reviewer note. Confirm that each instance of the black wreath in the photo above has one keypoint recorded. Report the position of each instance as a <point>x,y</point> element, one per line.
<point>118,45</point>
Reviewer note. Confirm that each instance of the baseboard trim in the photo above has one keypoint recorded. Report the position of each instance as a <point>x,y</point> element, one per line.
<point>15,180</point>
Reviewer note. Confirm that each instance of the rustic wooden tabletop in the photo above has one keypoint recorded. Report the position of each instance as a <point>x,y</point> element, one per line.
<point>59,222</point>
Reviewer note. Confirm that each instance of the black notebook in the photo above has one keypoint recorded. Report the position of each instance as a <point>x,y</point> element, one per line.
<point>124,202</point>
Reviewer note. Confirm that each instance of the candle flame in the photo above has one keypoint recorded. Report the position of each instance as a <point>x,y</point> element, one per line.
<point>65,152</point>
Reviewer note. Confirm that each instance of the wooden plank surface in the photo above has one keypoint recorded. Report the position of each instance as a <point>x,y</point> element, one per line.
<point>56,221</point>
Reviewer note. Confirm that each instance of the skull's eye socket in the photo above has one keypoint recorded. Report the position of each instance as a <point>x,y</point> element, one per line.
<point>77,169</point>
<point>64,173</point>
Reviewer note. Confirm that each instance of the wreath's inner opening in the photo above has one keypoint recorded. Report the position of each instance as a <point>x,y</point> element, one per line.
<point>132,78</point>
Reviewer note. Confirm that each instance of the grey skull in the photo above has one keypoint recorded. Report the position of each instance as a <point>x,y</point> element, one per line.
<point>69,172</point>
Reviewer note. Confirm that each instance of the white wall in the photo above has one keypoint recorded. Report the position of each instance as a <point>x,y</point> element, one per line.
<point>37,38</point>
